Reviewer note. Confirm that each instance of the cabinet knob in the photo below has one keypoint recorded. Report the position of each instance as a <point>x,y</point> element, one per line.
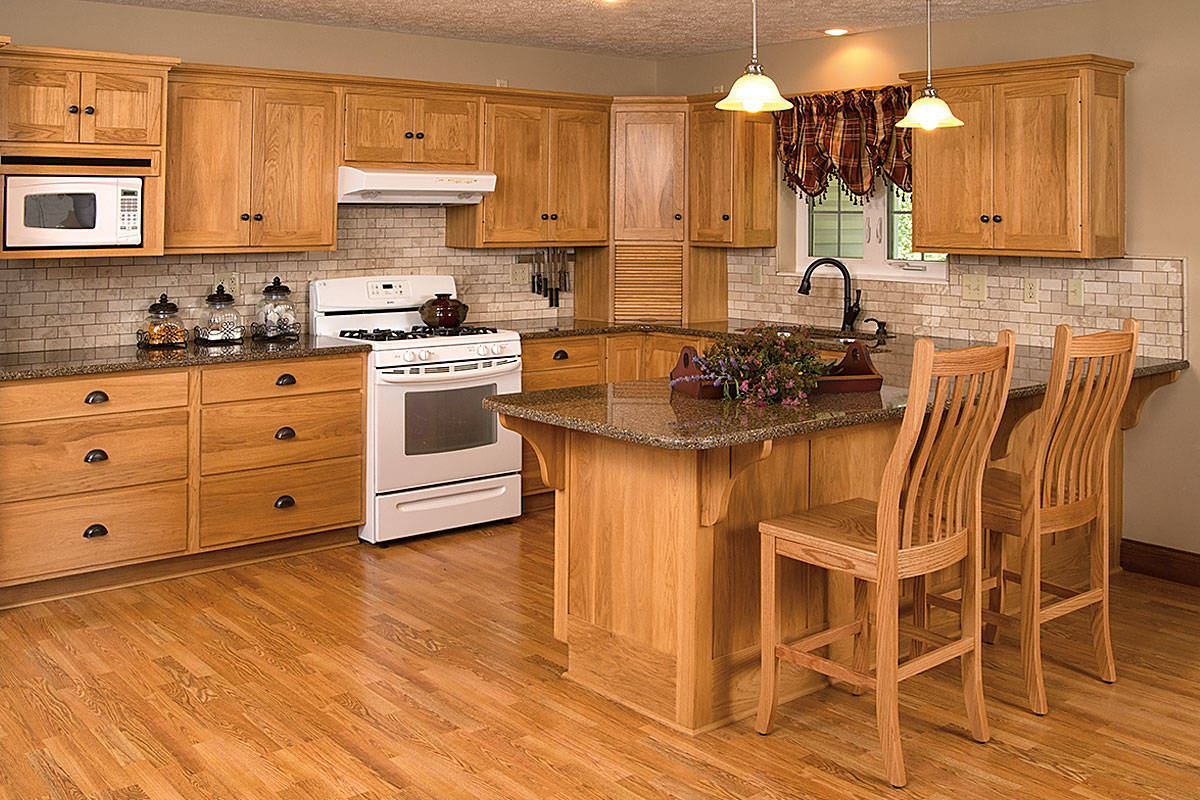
<point>286,432</point>
<point>72,109</point>
<point>679,216</point>
<point>408,134</point>
<point>285,501</point>
<point>554,216</point>
<point>89,110</point>
<point>95,531</point>
<point>245,217</point>
<point>985,218</point>
<point>95,397</point>
<point>258,217</point>
<point>286,379</point>
<point>560,355</point>
<point>996,218</point>
<point>421,135</point>
<point>545,216</point>
<point>725,217</point>
<point>95,456</point>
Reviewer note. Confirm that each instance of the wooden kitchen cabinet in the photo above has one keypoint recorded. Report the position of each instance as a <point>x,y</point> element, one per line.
<point>732,178</point>
<point>1038,168</point>
<point>403,129</point>
<point>623,357</point>
<point>649,175</point>
<point>660,352</point>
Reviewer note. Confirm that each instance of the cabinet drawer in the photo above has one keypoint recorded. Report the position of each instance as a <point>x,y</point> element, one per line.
<point>280,378</point>
<point>562,378</point>
<point>265,433</point>
<point>44,459</point>
<point>246,506</point>
<point>92,395</point>
<point>575,351</point>
<point>40,538</point>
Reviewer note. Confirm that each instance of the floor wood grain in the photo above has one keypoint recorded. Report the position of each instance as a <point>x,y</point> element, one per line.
<point>428,670</point>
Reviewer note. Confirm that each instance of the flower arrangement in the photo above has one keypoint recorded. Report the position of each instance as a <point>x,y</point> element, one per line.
<point>765,365</point>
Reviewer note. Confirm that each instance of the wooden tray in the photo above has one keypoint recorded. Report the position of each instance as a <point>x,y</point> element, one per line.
<point>854,373</point>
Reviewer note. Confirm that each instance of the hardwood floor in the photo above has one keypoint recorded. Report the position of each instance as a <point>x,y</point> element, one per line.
<point>428,670</point>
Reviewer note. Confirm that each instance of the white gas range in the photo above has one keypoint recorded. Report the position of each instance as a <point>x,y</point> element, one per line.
<point>435,458</point>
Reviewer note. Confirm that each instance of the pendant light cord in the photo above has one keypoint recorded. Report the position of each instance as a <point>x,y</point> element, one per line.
<point>928,43</point>
<point>754,30</point>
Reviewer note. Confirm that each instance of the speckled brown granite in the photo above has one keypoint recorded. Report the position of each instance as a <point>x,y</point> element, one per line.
<point>540,329</point>
<point>648,412</point>
<point>63,363</point>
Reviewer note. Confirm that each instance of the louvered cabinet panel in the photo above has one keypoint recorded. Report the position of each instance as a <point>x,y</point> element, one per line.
<point>647,283</point>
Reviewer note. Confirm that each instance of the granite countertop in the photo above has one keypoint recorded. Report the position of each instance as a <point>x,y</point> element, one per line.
<point>541,329</point>
<point>88,361</point>
<point>648,412</point>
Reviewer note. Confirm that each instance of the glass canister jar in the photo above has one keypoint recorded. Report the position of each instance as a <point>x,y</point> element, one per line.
<point>275,317</point>
<point>220,322</point>
<point>162,326</point>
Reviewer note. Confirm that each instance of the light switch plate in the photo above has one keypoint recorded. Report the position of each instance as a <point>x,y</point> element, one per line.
<point>1075,292</point>
<point>1029,291</point>
<point>502,83</point>
<point>974,288</point>
<point>519,275</point>
<point>231,282</point>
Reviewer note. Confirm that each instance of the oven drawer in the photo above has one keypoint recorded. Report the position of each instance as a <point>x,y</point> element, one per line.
<point>441,508</point>
<point>281,378</point>
<point>268,433</point>
<point>572,352</point>
<point>92,395</point>
<point>43,459</point>
<point>278,501</point>
<point>40,538</point>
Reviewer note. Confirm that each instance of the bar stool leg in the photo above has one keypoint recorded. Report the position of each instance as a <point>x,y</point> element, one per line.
<point>768,686</point>
<point>995,543</point>
<point>1101,639</point>
<point>1031,626</point>
<point>862,640</point>
<point>972,661</point>
<point>920,611</point>
<point>887,679</point>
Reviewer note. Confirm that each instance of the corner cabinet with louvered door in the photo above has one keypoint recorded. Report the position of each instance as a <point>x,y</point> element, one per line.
<point>648,282</point>
<point>732,187</point>
<point>1038,169</point>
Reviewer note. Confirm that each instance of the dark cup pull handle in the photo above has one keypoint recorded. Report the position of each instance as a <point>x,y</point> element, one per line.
<point>408,134</point>
<point>72,109</point>
<point>285,501</point>
<point>95,397</point>
<point>996,218</point>
<point>560,355</point>
<point>286,379</point>
<point>94,456</point>
<point>89,110</point>
<point>285,433</point>
<point>679,216</point>
<point>725,217</point>
<point>95,531</point>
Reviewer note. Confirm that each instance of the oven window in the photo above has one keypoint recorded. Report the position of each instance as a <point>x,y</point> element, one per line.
<point>66,211</point>
<point>446,420</point>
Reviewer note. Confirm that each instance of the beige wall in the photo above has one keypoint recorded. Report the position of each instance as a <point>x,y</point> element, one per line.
<point>1162,476</point>
<point>252,42</point>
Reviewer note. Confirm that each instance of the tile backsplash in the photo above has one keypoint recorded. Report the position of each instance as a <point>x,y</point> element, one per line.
<point>98,302</point>
<point>1150,289</point>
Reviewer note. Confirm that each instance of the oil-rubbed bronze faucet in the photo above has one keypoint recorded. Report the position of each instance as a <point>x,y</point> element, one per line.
<point>850,308</point>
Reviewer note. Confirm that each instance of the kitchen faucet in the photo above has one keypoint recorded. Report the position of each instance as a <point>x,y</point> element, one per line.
<point>849,309</point>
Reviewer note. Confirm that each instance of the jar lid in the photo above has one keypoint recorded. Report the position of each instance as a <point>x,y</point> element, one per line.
<point>276,289</point>
<point>163,306</point>
<point>220,295</point>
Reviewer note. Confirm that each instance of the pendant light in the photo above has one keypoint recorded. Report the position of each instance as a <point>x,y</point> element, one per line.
<point>754,91</point>
<point>929,111</point>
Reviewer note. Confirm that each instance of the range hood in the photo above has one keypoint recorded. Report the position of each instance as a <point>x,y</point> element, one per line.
<point>413,187</point>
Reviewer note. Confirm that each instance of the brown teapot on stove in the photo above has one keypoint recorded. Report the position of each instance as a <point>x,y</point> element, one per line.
<point>443,311</point>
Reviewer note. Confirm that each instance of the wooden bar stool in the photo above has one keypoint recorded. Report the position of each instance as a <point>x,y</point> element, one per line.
<point>927,519</point>
<point>1062,486</point>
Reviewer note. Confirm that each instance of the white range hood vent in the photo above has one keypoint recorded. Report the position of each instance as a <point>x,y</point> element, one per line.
<point>413,187</point>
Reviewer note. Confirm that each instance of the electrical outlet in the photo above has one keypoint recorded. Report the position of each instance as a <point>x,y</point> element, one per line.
<point>974,288</point>
<point>756,274</point>
<point>1075,292</point>
<point>231,282</point>
<point>1029,292</point>
<point>720,87</point>
<point>519,275</point>
<point>502,83</point>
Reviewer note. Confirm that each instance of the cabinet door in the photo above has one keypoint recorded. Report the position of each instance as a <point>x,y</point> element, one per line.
<point>379,127</point>
<point>649,184</point>
<point>1037,182</point>
<point>208,165</point>
<point>120,108</point>
<point>710,177</point>
<point>756,192</point>
<point>35,105</point>
<point>952,176</point>
<point>517,151</point>
<point>662,353</point>
<point>578,175</point>
<point>623,358</point>
<point>292,185</point>
<point>447,131</point>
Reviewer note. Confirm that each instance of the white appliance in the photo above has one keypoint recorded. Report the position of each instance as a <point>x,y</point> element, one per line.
<point>48,211</point>
<point>413,187</point>
<point>435,458</point>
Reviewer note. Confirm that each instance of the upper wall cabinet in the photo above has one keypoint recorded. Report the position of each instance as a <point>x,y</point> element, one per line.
<point>551,166</point>
<point>251,165</point>
<point>1037,169</point>
<point>403,129</point>
<point>732,178</point>
<point>649,179</point>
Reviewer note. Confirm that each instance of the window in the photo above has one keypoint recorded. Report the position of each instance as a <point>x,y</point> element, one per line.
<point>900,236</point>
<point>835,225</point>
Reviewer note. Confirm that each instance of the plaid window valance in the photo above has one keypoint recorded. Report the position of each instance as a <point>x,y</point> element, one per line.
<point>851,134</point>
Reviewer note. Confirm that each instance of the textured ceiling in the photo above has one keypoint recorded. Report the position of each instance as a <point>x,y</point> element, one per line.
<point>637,28</point>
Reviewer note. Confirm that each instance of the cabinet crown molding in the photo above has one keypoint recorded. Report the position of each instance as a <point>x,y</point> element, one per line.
<point>85,57</point>
<point>1040,65</point>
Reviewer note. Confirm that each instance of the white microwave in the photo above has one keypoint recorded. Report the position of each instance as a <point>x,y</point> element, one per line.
<point>51,211</point>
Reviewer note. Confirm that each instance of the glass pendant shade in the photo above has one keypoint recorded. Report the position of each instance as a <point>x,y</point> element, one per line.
<point>929,112</point>
<point>754,92</point>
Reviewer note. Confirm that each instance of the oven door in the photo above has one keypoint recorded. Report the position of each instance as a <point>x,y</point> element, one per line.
<point>431,427</point>
<point>48,211</point>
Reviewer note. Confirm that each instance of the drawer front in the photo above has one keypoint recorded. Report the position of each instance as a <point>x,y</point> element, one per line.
<point>562,378</point>
<point>268,433</point>
<point>40,538</point>
<point>572,351</point>
<point>281,378</point>
<point>246,506</point>
<point>92,395</point>
<point>44,459</point>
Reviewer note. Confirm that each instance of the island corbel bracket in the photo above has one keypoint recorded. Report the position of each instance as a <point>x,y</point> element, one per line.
<point>1140,391</point>
<point>548,443</point>
<point>719,470</point>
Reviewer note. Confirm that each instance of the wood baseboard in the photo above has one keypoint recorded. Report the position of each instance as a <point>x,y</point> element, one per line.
<point>1155,560</point>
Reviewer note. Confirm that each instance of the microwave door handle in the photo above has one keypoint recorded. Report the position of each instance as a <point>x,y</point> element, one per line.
<point>386,376</point>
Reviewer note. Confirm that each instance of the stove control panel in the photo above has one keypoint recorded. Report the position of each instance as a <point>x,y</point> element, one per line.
<point>437,351</point>
<point>389,292</point>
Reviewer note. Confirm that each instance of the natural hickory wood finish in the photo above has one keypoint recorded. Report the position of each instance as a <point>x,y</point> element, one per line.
<point>649,177</point>
<point>402,129</point>
<point>731,173</point>
<point>927,518</point>
<point>1039,167</point>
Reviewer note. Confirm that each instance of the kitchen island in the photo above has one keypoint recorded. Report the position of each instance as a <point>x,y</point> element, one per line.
<point>657,501</point>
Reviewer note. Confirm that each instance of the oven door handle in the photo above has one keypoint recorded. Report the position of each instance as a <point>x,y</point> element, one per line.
<point>387,376</point>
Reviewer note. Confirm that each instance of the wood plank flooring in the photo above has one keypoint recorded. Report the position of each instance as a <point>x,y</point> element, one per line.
<point>428,670</point>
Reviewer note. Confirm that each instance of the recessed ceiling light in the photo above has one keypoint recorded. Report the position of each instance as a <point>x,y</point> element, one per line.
<point>836,31</point>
